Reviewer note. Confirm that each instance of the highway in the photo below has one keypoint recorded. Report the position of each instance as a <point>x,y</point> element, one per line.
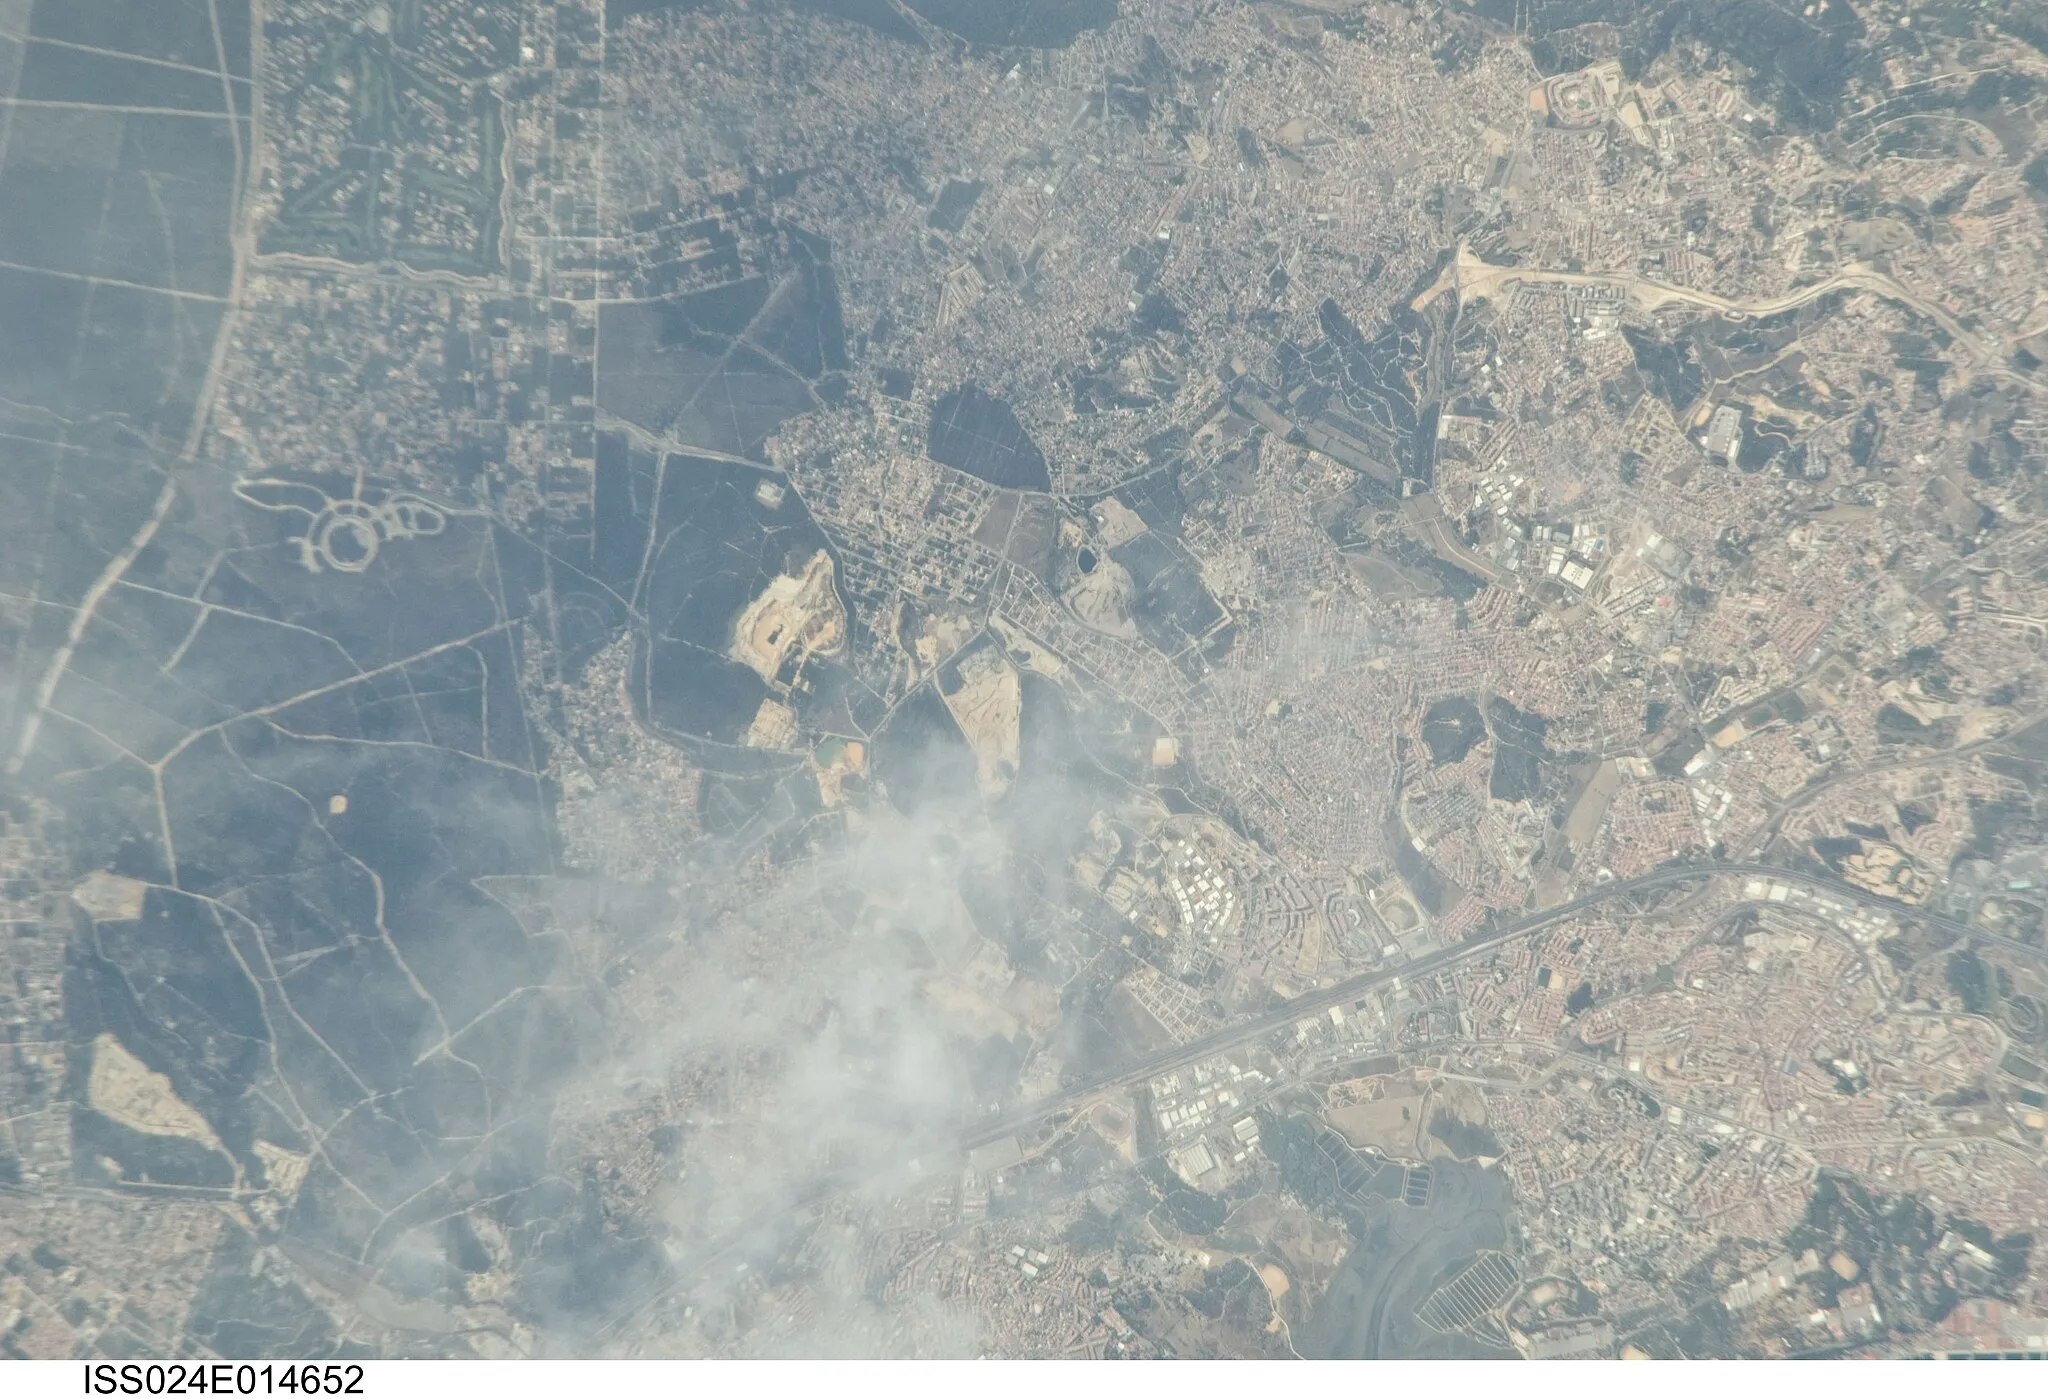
<point>1317,1001</point>
<point>1256,1027</point>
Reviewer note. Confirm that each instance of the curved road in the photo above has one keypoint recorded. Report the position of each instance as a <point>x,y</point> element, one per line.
<point>1472,276</point>
<point>2031,725</point>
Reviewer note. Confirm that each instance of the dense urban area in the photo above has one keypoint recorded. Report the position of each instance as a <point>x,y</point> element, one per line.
<point>1088,678</point>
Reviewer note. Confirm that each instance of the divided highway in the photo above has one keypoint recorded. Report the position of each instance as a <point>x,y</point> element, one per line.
<point>1245,1031</point>
<point>1317,1001</point>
